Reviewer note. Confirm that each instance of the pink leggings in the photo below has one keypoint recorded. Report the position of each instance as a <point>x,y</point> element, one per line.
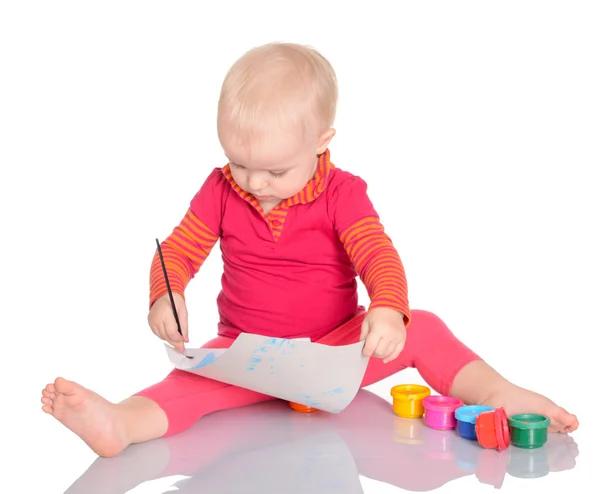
<point>430,347</point>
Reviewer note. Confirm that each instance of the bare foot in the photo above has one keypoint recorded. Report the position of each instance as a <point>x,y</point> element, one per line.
<point>519,400</point>
<point>87,414</point>
<point>478,383</point>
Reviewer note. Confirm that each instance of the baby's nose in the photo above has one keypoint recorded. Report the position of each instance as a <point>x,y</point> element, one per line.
<point>257,183</point>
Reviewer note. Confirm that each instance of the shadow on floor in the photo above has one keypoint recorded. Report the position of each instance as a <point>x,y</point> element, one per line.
<point>268,448</point>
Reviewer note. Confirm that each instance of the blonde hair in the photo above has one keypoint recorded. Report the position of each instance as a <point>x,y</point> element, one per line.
<point>278,87</point>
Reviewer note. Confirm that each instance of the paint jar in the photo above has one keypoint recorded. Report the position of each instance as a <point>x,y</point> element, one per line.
<point>465,420</point>
<point>408,400</point>
<point>298,407</point>
<point>439,411</point>
<point>528,430</point>
<point>492,429</point>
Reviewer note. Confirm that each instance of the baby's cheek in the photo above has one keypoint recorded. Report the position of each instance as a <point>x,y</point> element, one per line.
<point>293,188</point>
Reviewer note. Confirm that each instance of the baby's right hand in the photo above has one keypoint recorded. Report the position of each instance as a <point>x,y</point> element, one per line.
<point>163,324</point>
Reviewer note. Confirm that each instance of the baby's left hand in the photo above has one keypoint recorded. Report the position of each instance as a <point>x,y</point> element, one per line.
<point>385,332</point>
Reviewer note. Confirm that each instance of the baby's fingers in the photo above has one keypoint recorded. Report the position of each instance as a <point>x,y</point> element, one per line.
<point>385,348</point>
<point>395,353</point>
<point>371,344</point>
<point>178,345</point>
<point>159,330</point>
<point>171,331</point>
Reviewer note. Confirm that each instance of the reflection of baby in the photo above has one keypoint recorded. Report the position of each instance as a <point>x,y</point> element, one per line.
<point>334,449</point>
<point>295,232</point>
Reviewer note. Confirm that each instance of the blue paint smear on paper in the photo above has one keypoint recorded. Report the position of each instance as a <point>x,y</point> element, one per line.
<point>306,400</point>
<point>208,359</point>
<point>300,395</point>
<point>273,346</point>
<point>254,361</point>
<point>336,391</point>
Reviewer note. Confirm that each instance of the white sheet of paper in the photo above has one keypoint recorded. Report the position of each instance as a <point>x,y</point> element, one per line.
<point>313,374</point>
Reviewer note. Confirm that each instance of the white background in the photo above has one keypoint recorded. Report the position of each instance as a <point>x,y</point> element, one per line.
<point>476,125</point>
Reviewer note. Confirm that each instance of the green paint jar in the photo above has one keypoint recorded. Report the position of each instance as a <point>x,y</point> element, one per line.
<point>528,430</point>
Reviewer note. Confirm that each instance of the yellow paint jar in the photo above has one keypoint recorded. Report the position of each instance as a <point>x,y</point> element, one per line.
<point>408,400</point>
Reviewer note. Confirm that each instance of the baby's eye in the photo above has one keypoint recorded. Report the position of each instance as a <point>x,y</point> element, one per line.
<point>280,174</point>
<point>235,165</point>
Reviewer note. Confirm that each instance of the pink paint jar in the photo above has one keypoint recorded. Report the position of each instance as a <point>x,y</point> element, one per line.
<point>439,411</point>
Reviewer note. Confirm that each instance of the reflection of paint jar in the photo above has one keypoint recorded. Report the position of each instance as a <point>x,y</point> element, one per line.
<point>408,400</point>
<point>492,429</point>
<point>298,407</point>
<point>528,430</point>
<point>465,420</point>
<point>528,463</point>
<point>492,467</point>
<point>466,454</point>
<point>407,431</point>
<point>439,445</point>
<point>439,411</point>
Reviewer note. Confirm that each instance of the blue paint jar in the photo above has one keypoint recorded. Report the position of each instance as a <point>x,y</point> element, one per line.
<point>465,420</point>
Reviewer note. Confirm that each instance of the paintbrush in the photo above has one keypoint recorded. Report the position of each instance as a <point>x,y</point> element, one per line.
<point>162,261</point>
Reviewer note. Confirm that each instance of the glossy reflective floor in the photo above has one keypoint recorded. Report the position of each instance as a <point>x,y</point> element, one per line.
<point>268,448</point>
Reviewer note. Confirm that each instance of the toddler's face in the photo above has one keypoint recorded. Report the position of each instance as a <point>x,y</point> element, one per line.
<point>274,169</point>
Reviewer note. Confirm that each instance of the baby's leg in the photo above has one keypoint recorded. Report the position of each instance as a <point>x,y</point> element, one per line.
<point>451,368</point>
<point>163,409</point>
<point>430,347</point>
<point>184,398</point>
<point>454,369</point>
<point>478,383</point>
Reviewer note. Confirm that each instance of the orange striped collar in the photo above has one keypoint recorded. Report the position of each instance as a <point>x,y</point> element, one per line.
<point>313,189</point>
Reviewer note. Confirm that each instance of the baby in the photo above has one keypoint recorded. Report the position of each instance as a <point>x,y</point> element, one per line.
<point>295,232</point>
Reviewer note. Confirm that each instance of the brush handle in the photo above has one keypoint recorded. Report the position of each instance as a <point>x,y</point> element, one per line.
<point>162,261</point>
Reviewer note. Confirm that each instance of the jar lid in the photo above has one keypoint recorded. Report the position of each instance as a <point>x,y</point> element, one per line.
<point>528,421</point>
<point>410,392</point>
<point>442,403</point>
<point>469,413</point>
<point>502,430</point>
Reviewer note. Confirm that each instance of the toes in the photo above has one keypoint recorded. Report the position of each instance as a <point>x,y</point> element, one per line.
<point>50,388</point>
<point>46,401</point>
<point>572,427</point>
<point>65,387</point>
<point>575,424</point>
<point>47,409</point>
<point>567,420</point>
<point>48,394</point>
<point>60,383</point>
<point>564,422</point>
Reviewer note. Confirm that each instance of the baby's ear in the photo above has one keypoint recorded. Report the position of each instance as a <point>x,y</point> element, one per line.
<point>324,140</point>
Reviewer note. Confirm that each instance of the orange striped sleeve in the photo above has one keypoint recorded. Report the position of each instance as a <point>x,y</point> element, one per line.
<point>378,265</point>
<point>184,252</point>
